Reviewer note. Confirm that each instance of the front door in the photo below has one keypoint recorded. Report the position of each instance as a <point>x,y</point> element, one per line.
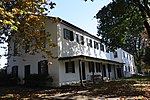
<point>83,71</point>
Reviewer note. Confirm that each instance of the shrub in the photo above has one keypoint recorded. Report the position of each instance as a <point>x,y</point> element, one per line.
<point>36,80</point>
<point>8,80</point>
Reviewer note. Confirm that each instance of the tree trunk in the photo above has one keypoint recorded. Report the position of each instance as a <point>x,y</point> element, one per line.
<point>145,9</point>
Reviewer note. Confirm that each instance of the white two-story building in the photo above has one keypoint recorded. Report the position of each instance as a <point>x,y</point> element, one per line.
<point>79,53</point>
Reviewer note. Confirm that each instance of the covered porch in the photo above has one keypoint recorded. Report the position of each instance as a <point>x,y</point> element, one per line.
<point>90,68</point>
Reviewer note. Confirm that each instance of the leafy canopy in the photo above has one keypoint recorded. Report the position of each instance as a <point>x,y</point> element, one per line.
<point>120,25</point>
<point>24,21</point>
<point>117,21</point>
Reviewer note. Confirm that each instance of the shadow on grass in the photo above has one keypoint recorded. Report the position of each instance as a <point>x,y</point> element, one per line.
<point>116,88</point>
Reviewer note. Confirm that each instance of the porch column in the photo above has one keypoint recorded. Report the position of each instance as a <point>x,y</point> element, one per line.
<point>80,73</point>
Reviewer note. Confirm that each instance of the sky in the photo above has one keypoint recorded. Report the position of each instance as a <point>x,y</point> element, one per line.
<point>76,12</point>
<point>79,12</point>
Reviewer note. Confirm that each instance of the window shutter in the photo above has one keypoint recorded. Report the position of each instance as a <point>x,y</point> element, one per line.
<point>73,67</point>
<point>39,67</point>
<point>71,36</point>
<point>66,67</point>
<point>46,65</point>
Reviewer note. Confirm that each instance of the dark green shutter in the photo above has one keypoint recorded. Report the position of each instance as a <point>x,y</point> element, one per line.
<point>73,67</point>
<point>66,67</point>
<point>39,67</point>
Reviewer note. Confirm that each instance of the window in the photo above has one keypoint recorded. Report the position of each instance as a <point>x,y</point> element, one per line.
<point>96,45</point>
<point>109,67</point>
<point>127,56</point>
<point>77,38</point>
<point>129,68</point>
<point>124,54</point>
<point>27,71</point>
<point>43,67</point>
<point>82,40</point>
<point>68,35</point>
<point>130,57</point>
<point>91,67</point>
<point>115,54</point>
<point>102,47</point>
<point>15,71</point>
<point>90,43</point>
<point>98,69</point>
<point>15,49</point>
<point>70,68</point>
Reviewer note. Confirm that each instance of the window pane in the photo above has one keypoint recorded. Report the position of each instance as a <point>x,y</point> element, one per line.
<point>77,38</point>
<point>66,34</point>
<point>43,67</point>
<point>69,67</point>
<point>71,35</point>
<point>15,71</point>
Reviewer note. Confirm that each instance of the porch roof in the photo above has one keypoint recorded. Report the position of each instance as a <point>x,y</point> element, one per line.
<point>83,57</point>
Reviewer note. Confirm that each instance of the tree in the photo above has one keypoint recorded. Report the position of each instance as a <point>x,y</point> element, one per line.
<point>144,8</point>
<point>147,56</point>
<point>121,25</point>
<point>23,22</point>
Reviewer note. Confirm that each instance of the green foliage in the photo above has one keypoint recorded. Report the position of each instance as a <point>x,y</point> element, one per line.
<point>118,21</point>
<point>23,22</point>
<point>36,80</point>
<point>8,80</point>
<point>120,25</point>
<point>147,56</point>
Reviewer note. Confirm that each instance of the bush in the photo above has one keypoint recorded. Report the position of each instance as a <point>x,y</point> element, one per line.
<point>36,80</point>
<point>8,80</point>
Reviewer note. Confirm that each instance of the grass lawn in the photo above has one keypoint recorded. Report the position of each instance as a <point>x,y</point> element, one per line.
<point>127,87</point>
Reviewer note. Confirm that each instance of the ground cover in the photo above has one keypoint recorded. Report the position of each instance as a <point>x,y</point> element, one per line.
<point>135,87</point>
